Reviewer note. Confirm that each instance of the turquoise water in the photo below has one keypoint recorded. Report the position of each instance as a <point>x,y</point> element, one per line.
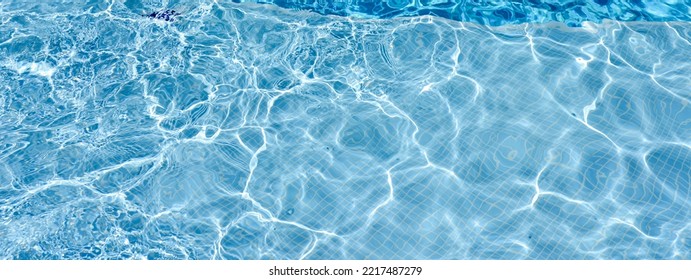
<point>500,12</point>
<point>252,131</point>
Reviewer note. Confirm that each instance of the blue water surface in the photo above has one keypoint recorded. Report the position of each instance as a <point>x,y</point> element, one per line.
<point>248,131</point>
<point>500,12</point>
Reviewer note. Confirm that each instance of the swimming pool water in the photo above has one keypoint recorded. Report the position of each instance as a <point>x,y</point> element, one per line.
<point>500,12</point>
<point>246,131</point>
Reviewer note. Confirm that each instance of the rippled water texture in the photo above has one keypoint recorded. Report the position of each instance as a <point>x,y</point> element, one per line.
<point>256,132</point>
<point>499,12</point>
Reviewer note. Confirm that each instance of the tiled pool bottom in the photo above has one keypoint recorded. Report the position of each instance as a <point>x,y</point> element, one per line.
<point>501,12</point>
<point>251,132</point>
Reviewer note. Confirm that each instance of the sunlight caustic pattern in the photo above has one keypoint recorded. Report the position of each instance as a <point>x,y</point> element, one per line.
<point>500,12</point>
<point>244,131</point>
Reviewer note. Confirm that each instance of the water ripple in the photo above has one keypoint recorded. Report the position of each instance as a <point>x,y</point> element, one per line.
<point>500,12</point>
<point>243,131</point>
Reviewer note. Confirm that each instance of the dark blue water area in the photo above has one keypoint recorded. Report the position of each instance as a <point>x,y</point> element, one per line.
<point>500,12</point>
